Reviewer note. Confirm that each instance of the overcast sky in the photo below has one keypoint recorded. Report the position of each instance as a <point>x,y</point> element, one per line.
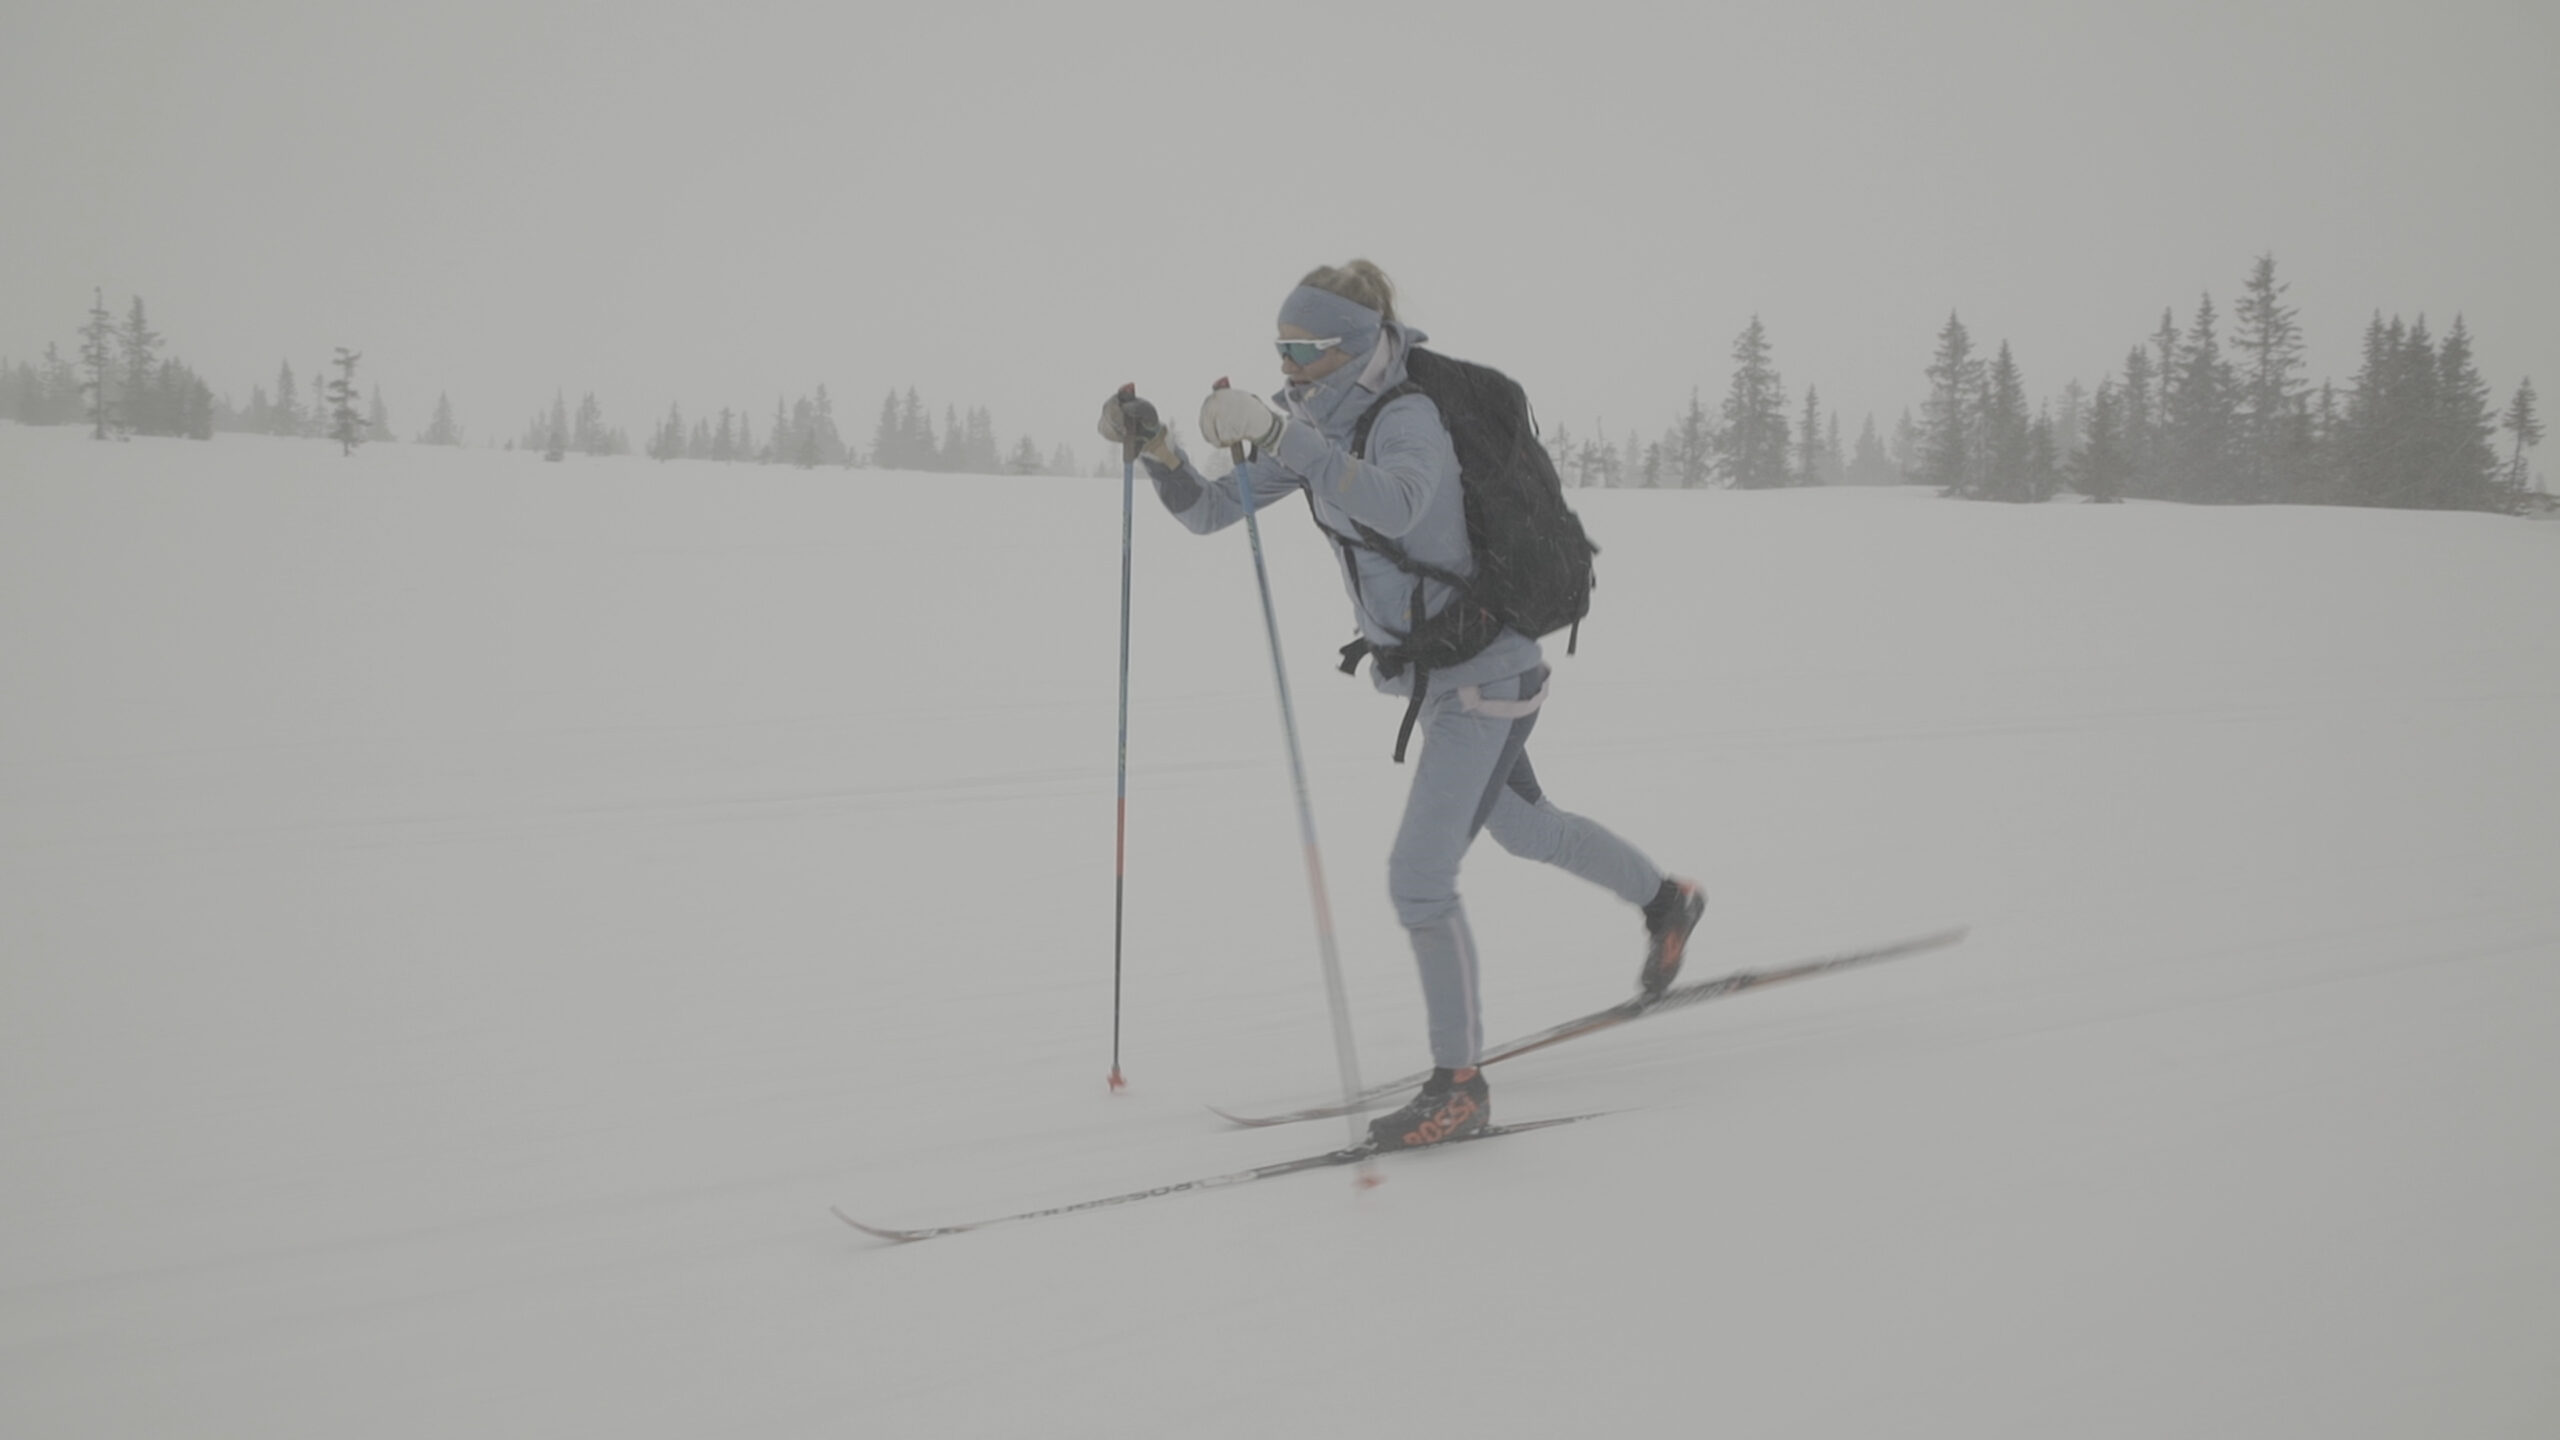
<point>1021,206</point>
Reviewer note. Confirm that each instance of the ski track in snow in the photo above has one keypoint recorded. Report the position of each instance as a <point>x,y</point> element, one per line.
<point>463,921</point>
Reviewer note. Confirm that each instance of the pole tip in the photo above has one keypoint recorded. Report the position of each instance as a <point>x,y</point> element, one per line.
<point>1117,1084</point>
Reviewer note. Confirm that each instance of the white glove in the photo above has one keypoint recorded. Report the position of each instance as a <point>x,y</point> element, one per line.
<point>1239,417</point>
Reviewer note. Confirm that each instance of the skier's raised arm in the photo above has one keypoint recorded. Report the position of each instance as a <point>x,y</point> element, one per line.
<point>1203,505</point>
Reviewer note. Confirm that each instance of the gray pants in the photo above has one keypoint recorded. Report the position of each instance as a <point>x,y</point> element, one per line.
<point>1474,774</point>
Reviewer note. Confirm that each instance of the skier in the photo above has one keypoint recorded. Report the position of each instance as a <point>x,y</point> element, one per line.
<point>1341,347</point>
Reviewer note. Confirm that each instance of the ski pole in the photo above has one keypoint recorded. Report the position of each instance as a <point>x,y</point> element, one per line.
<point>1343,1048</point>
<point>1129,442</point>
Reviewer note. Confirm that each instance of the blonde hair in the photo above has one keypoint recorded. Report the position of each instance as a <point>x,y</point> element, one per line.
<point>1358,281</point>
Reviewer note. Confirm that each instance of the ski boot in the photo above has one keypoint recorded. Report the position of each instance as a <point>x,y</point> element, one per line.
<point>1668,918</point>
<point>1446,1108</point>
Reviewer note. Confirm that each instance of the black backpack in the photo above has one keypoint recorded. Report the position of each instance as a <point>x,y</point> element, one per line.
<point>1533,561</point>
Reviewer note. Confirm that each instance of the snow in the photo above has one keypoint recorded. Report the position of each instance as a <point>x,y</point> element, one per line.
<point>463,920</point>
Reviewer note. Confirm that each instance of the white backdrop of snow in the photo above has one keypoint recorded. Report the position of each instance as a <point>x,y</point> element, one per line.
<point>463,919</point>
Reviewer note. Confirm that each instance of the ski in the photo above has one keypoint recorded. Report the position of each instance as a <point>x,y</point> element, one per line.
<point>1328,1159</point>
<point>1677,997</point>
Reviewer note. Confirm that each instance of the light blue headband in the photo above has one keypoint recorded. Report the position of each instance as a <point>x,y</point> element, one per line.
<point>1326,316</point>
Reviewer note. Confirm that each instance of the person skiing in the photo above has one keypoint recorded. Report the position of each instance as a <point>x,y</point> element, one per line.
<point>1341,348</point>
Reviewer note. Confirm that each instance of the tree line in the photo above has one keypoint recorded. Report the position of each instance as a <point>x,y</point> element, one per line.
<point>119,387</point>
<point>2190,417</point>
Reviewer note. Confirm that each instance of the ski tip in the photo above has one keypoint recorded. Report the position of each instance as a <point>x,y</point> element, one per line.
<point>1129,391</point>
<point>894,1237</point>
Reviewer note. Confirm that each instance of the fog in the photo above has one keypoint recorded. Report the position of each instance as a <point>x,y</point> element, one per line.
<point>1019,207</point>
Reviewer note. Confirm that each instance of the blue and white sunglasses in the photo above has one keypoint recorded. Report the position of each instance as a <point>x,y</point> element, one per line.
<point>1304,352</point>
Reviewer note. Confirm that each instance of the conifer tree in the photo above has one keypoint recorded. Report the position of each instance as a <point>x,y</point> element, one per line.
<point>1693,449</point>
<point>587,434</point>
<point>2464,474</point>
<point>915,435</point>
<point>139,370</point>
<point>555,445</point>
<point>2044,459</point>
<point>284,413</point>
<point>97,359</point>
<point>1869,465</point>
<point>2104,463</point>
<point>2006,469</point>
<point>888,438</point>
<point>1809,463</point>
<point>441,430</point>
<point>2523,423</point>
<point>2359,458</point>
<point>2317,480</point>
<point>2412,422</point>
<point>2070,418</point>
<point>2197,414</point>
<point>829,441</point>
<point>346,426</point>
<point>980,454</point>
<point>1755,415</point>
<point>377,419</point>
<point>2140,408</point>
<point>2268,342</point>
<point>1947,447</point>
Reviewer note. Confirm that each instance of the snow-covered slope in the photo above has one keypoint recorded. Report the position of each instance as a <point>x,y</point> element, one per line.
<point>463,920</point>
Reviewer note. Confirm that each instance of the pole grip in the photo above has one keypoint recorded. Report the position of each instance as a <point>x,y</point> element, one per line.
<point>1130,442</point>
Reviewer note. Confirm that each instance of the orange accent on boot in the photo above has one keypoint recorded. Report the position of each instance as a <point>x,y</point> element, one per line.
<point>1440,1124</point>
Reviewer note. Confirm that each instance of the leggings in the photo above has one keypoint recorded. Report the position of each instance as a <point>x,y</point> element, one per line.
<point>1474,774</point>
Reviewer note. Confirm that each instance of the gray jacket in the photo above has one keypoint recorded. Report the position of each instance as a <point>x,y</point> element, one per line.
<point>1407,490</point>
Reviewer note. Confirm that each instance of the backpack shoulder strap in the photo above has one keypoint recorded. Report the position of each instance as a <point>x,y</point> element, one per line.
<point>1369,417</point>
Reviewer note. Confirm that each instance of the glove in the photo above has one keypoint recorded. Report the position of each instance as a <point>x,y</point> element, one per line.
<point>1124,416</point>
<point>1238,417</point>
